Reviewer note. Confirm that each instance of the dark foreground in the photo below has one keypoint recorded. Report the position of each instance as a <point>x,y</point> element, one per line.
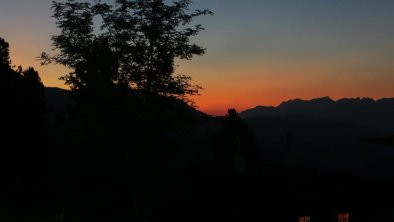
<point>272,194</point>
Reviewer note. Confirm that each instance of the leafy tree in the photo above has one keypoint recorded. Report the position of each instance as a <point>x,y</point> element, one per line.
<point>86,54</point>
<point>139,42</point>
<point>153,34</point>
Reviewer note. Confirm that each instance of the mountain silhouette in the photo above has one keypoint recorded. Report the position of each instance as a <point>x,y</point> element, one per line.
<point>364,111</point>
<point>324,134</point>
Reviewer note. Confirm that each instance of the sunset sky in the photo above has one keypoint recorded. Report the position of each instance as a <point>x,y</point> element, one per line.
<point>259,52</point>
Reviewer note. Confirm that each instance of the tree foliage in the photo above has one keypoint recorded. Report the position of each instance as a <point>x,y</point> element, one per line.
<point>22,99</point>
<point>136,46</point>
<point>4,54</point>
<point>21,91</point>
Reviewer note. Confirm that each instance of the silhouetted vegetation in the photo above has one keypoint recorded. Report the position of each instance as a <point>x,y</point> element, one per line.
<point>130,113</point>
<point>22,114</point>
<point>136,47</point>
<point>23,139</point>
<point>235,150</point>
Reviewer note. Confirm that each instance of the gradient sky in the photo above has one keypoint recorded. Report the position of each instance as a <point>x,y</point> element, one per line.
<point>259,52</point>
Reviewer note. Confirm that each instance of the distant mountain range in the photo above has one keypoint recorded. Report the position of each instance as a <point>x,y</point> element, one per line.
<point>365,111</point>
<point>326,134</point>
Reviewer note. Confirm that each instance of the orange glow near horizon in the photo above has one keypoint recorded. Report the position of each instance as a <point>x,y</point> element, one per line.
<point>247,87</point>
<point>252,87</point>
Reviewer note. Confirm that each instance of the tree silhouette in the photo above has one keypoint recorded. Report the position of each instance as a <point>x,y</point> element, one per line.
<point>127,111</point>
<point>97,69</point>
<point>34,91</point>
<point>23,103</point>
<point>23,148</point>
<point>153,34</point>
<point>139,42</point>
<point>235,146</point>
<point>4,54</point>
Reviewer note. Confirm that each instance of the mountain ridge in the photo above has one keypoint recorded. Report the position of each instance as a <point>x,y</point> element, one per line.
<point>327,99</point>
<point>366,111</point>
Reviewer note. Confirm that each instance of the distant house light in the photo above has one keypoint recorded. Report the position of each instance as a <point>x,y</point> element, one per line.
<point>343,217</point>
<point>304,219</point>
